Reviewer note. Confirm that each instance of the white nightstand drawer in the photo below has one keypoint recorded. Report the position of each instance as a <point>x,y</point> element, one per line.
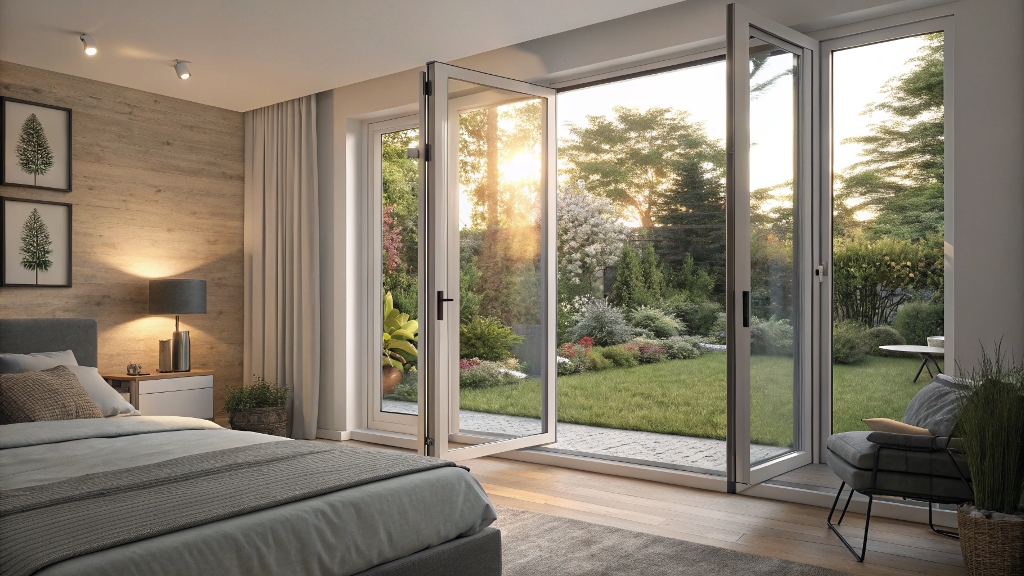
<point>196,403</point>
<point>172,384</point>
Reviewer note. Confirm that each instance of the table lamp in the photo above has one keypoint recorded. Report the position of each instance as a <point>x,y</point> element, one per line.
<point>178,296</point>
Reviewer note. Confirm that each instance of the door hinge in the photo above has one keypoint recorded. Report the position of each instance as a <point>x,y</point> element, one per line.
<point>429,442</point>
<point>819,271</point>
<point>426,153</point>
<point>427,88</point>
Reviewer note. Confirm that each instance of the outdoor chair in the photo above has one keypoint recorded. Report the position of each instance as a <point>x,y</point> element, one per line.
<point>929,468</point>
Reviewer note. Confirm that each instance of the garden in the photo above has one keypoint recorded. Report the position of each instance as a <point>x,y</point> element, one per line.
<point>641,262</point>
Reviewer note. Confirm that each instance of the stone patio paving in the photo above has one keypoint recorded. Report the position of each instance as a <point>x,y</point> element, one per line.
<point>685,451</point>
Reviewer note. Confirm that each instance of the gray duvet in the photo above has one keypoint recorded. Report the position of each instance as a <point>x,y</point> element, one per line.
<point>339,533</point>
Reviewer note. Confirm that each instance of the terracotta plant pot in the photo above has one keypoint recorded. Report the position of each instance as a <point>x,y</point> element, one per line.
<point>272,421</point>
<point>390,378</point>
<point>989,546</point>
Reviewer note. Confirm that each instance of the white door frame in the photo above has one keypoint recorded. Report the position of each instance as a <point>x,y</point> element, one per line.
<point>442,270</point>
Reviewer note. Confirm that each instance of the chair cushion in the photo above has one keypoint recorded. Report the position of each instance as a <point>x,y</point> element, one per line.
<point>919,486</point>
<point>858,451</point>
<point>935,406</point>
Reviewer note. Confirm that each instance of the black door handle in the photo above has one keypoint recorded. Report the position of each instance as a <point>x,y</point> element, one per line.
<point>746,309</point>
<point>440,304</point>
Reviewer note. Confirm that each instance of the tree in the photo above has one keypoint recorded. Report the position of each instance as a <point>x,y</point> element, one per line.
<point>35,244</point>
<point>629,290</point>
<point>654,279</point>
<point>33,150</point>
<point>631,158</point>
<point>901,177</point>
<point>589,240</point>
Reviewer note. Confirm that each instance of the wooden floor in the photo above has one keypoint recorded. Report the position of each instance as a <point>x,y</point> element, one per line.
<point>767,527</point>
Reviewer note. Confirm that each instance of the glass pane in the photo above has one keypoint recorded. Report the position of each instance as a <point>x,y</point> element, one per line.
<point>499,175</point>
<point>400,271</point>
<point>888,226</point>
<point>773,290</point>
<point>641,269</point>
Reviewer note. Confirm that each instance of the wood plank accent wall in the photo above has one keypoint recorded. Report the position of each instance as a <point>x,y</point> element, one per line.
<point>157,189</point>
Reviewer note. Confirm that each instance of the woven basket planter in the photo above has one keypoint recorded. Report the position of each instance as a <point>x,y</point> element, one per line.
<point>991,547</point>
<point>272,421</point>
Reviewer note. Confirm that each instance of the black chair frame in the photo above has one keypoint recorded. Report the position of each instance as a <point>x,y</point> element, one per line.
<point>871,496</point>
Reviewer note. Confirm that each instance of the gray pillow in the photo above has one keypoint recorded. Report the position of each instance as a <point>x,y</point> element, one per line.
<point>14,363</point>
<point>109,401</point>
<point>51,394</point>
<point>935,406</point>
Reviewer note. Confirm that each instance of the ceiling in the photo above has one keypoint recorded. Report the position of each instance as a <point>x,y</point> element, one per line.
<point>250,53</point>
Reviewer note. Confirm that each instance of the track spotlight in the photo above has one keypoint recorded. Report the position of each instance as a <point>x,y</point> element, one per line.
<point>90,45</point>
<point>181,70</point>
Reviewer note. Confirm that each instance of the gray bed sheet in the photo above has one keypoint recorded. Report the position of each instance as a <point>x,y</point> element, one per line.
<point>337,534</point>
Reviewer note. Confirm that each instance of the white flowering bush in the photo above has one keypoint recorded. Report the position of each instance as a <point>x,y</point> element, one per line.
<point>590,237</point>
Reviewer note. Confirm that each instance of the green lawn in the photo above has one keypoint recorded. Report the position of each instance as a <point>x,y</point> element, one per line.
<point>687,397</point>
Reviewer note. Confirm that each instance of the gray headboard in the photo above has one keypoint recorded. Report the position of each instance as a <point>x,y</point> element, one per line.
<point>27,335</point>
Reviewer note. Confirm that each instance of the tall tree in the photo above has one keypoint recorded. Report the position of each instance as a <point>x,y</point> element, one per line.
<point>631,158</point>
<point>901,176</point>
<point>33,150</point>
<point>691,215</point>
<point>630,288</point>
<point>35,244</point>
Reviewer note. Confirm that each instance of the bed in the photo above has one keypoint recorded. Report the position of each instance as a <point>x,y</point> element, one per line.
<point>168,495</point>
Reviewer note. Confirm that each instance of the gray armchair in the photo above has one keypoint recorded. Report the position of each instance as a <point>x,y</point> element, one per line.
<point>917,467</point>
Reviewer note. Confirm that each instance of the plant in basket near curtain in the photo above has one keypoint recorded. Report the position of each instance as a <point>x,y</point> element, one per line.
<point>991,426</point>
<point>259,407</point>
<point>398,345</point>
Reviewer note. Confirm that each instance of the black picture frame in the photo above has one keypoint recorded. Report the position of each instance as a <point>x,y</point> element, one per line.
<point>3,144</point>
<point>4,248</point>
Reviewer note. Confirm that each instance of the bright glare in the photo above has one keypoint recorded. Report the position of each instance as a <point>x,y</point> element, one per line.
<point>522,166</point>
<point>90,51</point>
<point>185,76</point>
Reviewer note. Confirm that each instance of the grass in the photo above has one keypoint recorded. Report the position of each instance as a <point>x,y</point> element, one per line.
<point>687,397</point>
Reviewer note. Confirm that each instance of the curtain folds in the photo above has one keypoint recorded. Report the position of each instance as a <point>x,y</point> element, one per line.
<point>282,256</point>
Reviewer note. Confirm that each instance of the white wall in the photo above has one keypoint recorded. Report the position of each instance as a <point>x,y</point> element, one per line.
<point>988,162</point>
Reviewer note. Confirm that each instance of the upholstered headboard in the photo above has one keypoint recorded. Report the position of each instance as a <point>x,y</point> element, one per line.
<point>27,335</point>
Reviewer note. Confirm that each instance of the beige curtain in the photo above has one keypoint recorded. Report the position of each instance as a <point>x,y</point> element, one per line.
<point>282,256</point>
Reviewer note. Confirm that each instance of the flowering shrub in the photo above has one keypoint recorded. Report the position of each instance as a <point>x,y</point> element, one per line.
<point>575,356</point>
<point>590,236</point>
<point>648,351</point>
<point>392,239</point>
<point>587,342</point>
<point>604,324</point>
<point>682,347</point>
<point>476,373</point>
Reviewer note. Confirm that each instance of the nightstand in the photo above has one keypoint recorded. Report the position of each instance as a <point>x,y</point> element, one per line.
<point>168,393</point>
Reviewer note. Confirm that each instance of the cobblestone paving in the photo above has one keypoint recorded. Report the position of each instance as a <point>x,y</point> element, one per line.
<point>664,448</point>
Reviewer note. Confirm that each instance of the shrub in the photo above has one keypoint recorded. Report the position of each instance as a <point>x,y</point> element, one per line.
<point>699,317</point>
<point>850,342</point>
<point>597,362</point>
<point>916,321</point>
<point>261,393</point>
<point>872,278</point>
<point>620,356</point>
<point>476,373</point>
<point>408,390</point>
<point>605,324</point>
<point>487,339</point>
<point>718,332</point>
<point>770,337</point>
<point>884,336</point>
<point>648,351</point>
<point>682,347</point>
<point>655,322</point>
<point>572,358</point>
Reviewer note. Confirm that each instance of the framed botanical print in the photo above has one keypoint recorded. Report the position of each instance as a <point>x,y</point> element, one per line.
<point>36,145</point>
<point>35,243</point>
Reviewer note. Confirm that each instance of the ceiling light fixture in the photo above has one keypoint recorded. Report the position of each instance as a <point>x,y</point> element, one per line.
<point>89,43</point>
<point>181,70</point>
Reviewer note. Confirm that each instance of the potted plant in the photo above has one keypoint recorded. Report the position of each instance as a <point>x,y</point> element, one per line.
<point>398,350</point>
<point>259,407</point>
<point>991,426</point>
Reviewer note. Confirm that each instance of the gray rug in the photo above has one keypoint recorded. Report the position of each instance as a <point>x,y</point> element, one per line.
<point>540,545</point>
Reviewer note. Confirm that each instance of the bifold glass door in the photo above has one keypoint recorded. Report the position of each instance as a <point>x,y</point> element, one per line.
<point>769,191</point>
<point>488,166</point>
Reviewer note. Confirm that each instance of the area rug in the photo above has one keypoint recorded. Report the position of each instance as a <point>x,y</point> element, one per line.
<point>535,544</point>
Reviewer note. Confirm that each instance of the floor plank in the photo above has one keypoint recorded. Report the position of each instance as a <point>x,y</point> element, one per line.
<point>783,530</point>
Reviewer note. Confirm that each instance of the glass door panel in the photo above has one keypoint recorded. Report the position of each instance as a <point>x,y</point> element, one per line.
<point>769,189</point>
<point>490,192</point>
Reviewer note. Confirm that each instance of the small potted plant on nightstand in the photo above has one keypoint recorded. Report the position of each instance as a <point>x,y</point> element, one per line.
<point>991,425</point>
<point>258,407</point>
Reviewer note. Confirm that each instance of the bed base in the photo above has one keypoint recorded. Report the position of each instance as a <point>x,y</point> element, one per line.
<point>476,555</point>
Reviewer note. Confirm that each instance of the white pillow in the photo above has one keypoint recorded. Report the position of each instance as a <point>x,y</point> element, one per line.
<point>109,401</point>
<point>14,363</point>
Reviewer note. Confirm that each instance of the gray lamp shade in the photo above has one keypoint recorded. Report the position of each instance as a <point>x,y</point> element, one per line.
<point>174,296</point>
